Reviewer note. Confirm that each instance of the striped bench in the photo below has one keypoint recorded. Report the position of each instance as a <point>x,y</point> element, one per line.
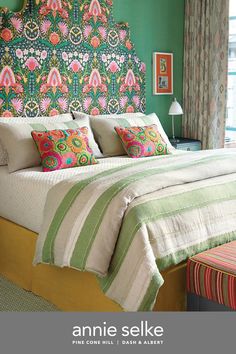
<point>211,279</point>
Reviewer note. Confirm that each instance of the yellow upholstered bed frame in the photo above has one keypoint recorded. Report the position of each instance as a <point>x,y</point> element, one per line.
<point>68,289</point>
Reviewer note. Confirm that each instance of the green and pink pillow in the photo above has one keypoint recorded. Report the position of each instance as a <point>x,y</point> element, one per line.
<point>61,149</point>
<point>142,141</point>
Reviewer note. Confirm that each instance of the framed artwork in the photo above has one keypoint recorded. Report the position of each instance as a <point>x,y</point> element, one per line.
<point>162,73</point>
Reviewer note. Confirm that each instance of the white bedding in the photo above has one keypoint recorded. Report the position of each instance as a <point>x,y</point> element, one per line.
<point>23,193</point>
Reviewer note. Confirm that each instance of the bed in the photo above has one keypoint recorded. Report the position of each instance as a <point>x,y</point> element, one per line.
<point>59,57</point>
<point>21,210</point>
<point>71,290</point>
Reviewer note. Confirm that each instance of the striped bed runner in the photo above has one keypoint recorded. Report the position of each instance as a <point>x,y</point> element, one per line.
<point>212,274</point>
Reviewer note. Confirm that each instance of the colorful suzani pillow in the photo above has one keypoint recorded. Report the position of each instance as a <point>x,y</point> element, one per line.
<point>61,149</point>
<point>142,141</point>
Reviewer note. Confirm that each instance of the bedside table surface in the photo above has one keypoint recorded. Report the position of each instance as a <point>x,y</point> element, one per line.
<point>186,144</point>
<point>183,141</point>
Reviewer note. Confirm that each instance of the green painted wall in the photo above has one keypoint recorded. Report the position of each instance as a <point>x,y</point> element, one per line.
<point>156,25</point>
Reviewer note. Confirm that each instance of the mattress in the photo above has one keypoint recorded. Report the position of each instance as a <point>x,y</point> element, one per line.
<point>23,193</point>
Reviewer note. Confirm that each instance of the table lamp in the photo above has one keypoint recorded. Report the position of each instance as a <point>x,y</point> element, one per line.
<point>175,110</point>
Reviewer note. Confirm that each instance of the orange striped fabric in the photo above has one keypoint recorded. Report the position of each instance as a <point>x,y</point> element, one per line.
<point>212,274</point>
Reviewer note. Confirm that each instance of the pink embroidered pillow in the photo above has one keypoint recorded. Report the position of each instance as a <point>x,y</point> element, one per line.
<point>61,149</point>
<point>142,141</point>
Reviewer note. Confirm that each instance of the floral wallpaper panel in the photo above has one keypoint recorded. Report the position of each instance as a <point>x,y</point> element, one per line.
<point>62,55</point>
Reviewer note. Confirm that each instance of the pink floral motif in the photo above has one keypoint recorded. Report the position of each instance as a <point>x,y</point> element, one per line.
<point>1,102</point>
<point>54,82</point>
<point>95,83</point>
<point>17,23</point>
<point>122,34</point>
<point>130,82</point>
<point>123,101</point>
<point>104,58</point>
<point>143,67</point>
<point>53,112</point>
<point>63,103</point>
<point>63,28</point>
<point>7,78</point>
<point>95,42</point>
<point>46,24</point>
<point>19,53</point>
<point>102,101</point>
<point>32,63</point>
<point>54,6</point>
<point>44,54</point>
<point>54,78</point>
<point>122,59</point>
<point>130,109</point>
<point>96,11</point>
<point>95,111</point>
<point>54,38</point>
<point>6,34</point>
<point>64,88</point>
<point>113,67</point>
<point>7,114</point>
<point>85,57</point>
<point>64,56</point>
<point>136,100</point>
<point>87,31</point>
<point>87,103</point>
<point>17,104</point>
<point>103,32</point>
<point>45,103</point>
<point>75,66</point>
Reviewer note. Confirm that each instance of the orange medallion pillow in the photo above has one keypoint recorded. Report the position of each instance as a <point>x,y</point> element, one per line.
<point>142,141</point>
<point>61,149</point>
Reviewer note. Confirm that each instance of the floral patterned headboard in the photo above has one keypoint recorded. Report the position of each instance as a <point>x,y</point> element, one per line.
<point>62,55</point>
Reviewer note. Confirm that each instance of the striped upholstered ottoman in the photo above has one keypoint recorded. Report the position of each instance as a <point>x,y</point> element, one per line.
<point>211,279</point>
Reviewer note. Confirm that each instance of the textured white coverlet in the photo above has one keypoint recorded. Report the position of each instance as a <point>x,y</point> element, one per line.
<point>23,193</point>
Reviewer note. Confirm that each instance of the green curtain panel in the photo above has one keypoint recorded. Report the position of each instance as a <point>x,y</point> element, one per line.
<point>205,71</point>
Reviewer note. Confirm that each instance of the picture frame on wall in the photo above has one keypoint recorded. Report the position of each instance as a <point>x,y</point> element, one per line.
<point>162,73</point>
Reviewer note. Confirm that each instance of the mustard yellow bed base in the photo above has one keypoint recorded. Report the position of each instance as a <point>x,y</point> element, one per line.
<point>68,289</point>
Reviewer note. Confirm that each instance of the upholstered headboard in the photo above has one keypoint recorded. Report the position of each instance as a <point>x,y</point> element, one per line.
<point>61,55</point>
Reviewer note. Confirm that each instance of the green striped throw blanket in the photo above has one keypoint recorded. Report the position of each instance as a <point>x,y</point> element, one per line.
<point>126,224</point>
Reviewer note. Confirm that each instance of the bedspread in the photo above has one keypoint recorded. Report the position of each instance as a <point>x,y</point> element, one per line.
<point>126,224</point>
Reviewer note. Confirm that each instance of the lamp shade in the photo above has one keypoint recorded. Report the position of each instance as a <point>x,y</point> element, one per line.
<point>175,109</point>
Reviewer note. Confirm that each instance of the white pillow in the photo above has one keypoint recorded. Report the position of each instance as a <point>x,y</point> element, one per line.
<point>21,149</point>
<point>82,120</point>
<point>107,137</point>
<point>19,120</point>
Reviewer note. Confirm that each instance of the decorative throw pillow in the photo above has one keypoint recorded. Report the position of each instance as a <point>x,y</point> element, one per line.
<point>142,141</point>
<point>108,140</point>
<point>21,149</point>
<point>61,149</point>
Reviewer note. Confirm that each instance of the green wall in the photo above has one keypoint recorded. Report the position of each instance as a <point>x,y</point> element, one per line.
<point>156,25</point>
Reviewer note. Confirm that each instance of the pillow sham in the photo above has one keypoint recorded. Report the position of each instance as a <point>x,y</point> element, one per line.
<point>60,149</point>
<point>142,141</point>
<point>17,140</point>
<point>16,120</point>
<point>82,120</point>
<point>109,141</point>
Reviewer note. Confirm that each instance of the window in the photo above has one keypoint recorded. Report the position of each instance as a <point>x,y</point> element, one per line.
<point>230,135</point>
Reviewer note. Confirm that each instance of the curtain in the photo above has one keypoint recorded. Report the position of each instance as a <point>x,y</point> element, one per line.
<point>205,71</point>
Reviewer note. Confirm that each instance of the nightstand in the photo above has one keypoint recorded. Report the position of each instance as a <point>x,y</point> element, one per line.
<point>186,144</point>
